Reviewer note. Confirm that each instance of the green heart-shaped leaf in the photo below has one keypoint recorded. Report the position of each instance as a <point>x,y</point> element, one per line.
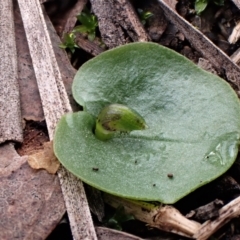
<point>193,120</point>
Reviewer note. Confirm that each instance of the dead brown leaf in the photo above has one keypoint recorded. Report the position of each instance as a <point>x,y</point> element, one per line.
<point>44,159</point>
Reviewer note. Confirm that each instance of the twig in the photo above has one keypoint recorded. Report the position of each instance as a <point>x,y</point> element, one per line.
<point>88,46</point>
<point>55,104</point>
<point>226,213</point>
<point>111,31</point>
<point>235,35</point>
<point>166,218</point>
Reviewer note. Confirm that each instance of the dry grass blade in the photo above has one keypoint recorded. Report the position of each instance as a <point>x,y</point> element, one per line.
<point>55,104</point>
<point>10,115</point>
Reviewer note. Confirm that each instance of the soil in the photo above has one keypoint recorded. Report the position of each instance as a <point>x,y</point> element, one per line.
<point>35,134</point>
<point>217,23</point>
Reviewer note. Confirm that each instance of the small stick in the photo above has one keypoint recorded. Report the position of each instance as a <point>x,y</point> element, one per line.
<point>226,213</point>
<point>235,35</point>
<point>166,218</point>
<point>88,46</point>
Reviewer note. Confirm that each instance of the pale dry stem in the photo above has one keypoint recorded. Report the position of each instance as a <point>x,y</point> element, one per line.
<point>166,218</point>
<point>169,219</point>
<point>235,35</point>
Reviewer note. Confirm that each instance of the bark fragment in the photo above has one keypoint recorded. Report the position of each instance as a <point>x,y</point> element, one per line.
<point>118,22</point>
<point>88,46</point>
<point>206,212</point>
<point>226,213</point>
<point>206,65</point>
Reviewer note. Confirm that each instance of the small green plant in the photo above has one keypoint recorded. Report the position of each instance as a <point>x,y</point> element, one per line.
<point>144,15</point>
<point>117,118</point>
<point>118,218</point>
<point>89,24</point>
<point>193,133</point>
<point>69,42</point>
<point>200,5</point>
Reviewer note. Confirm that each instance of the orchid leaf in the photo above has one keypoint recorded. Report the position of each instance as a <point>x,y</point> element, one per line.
<point>193,120</point>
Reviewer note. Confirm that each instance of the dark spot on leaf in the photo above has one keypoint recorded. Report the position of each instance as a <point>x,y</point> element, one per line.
<point>107,127</point>
<point>170,175</point>
<point>154,185</point>
<point>95,169</point>
<point>116,117</point>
